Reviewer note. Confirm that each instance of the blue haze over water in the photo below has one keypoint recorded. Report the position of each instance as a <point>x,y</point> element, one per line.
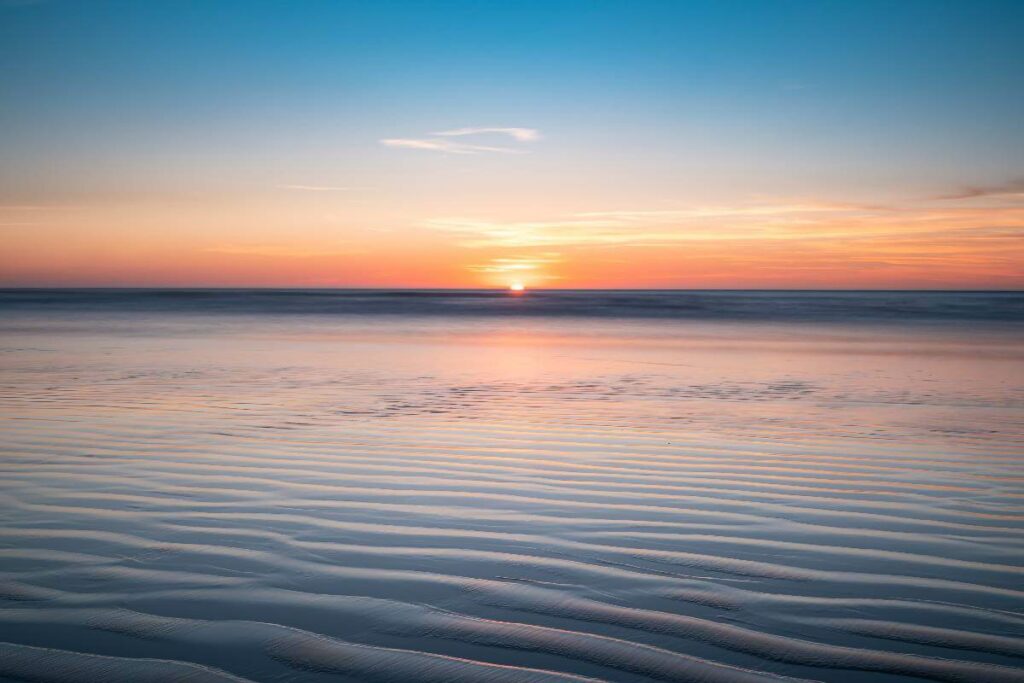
<point>709,305</point>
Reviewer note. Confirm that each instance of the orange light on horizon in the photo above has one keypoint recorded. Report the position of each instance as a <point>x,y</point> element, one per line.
<point>279,242</point>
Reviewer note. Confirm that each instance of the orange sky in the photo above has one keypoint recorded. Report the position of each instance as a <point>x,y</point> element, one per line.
<point>326,239</point>
<point>559,143</point>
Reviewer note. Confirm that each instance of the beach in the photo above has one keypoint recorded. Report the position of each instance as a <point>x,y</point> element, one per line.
<point>483,486</point>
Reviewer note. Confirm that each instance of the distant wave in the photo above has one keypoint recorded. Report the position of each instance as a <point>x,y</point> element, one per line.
<point>765,306</point>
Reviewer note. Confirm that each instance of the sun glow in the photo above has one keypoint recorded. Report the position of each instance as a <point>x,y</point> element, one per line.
<point>517,287</point>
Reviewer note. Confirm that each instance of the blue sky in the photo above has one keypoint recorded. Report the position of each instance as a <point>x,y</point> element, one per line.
<point>635,102</point>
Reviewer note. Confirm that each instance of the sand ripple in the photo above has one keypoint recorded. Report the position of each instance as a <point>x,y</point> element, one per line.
<point>309,523</point>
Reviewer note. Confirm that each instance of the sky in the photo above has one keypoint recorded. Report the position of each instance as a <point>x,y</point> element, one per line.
<point>558,143</point>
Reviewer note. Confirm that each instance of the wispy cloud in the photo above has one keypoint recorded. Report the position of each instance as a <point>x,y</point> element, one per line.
<point>517,264</point>
<point>803,222</point>
<point>479,233</point>
<point>646,226</point>
<point>520,134</point>
<point>1013,189</point>
<point>449,146</point>
<point>281,250</point>
<point>782,209</point>
<point>443,143</point>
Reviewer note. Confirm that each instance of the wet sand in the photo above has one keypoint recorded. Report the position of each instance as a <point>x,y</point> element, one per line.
<point>407,498</point>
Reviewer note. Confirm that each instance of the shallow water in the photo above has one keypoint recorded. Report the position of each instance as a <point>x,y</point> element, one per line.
<point>225,492</point>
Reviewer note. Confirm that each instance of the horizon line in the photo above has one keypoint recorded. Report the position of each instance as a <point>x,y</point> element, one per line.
<point>279,288</point>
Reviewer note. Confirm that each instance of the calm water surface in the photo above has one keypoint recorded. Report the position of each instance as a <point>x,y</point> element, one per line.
<point>439,486</point>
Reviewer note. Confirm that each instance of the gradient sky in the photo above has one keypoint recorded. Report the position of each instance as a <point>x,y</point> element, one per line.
<point>560,143</point>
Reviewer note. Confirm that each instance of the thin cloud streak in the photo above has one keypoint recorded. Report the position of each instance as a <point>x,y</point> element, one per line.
<point>728,211</point>
<point>281,251</point>
<point>790,223</point>
<point>520,134</point>
<point>515,264</point>
<point>443,144</point>
<point>435,145</point>
<point>1011,189</point>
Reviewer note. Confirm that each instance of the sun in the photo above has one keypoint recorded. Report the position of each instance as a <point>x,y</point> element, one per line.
<point>517,287</point>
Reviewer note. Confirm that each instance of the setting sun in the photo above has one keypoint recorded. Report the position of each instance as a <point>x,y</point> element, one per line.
<point>517,287</point>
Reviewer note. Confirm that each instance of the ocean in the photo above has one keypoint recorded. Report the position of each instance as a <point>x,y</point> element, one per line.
<point>447,486</point>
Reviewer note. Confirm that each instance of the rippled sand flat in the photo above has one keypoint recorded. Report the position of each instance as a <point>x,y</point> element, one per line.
<point>402,498</point>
